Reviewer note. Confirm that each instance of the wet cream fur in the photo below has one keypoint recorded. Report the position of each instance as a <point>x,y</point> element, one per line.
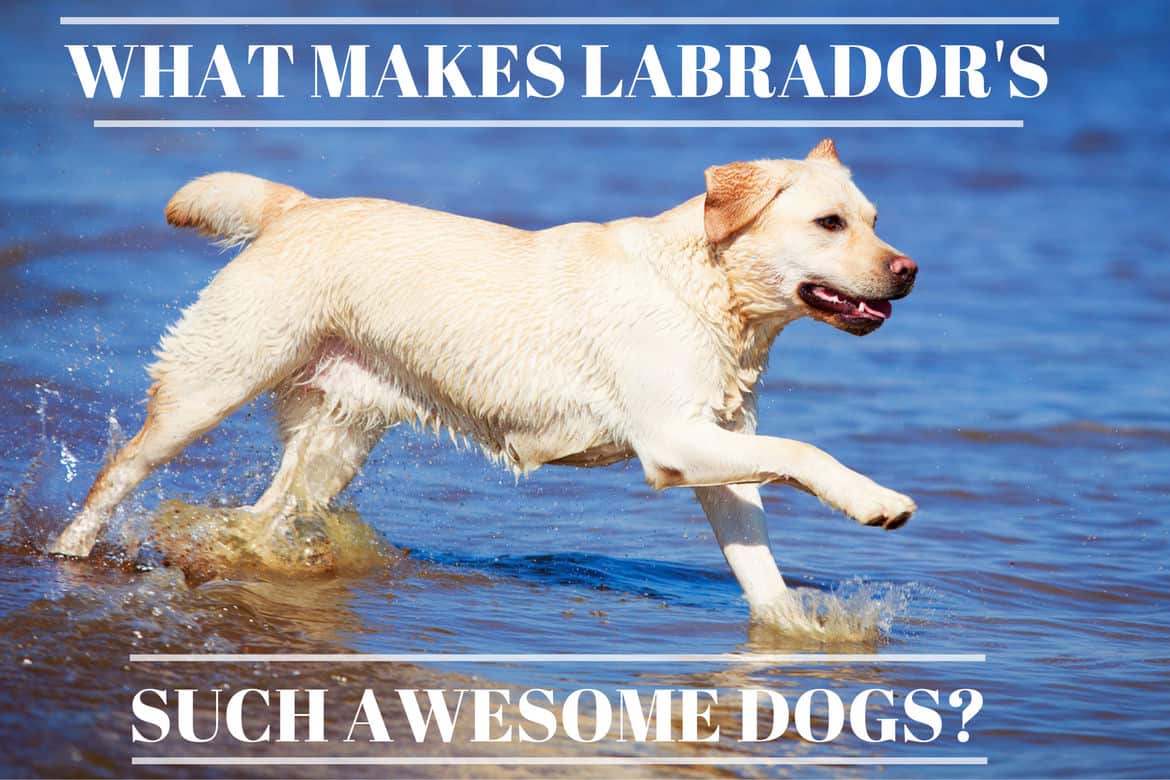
<point>582,344</point>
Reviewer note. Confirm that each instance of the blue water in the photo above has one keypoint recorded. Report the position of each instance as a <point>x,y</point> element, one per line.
<point>1019,395</point>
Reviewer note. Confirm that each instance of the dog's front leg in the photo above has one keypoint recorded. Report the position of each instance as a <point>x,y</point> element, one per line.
<point>698,455</point>
<point>737,517</point>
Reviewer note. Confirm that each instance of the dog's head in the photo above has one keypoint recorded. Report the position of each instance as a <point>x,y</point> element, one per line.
<point>798,238</point>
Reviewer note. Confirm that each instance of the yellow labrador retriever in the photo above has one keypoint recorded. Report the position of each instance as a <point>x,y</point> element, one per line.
<point>583,344</point>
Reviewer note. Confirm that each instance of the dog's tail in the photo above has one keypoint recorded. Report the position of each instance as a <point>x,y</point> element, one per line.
<point>233,207</point>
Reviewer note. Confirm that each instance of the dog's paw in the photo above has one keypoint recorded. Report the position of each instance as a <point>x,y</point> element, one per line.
<point>883,507</point>
<point>67,547</point>
<point>76,541</point>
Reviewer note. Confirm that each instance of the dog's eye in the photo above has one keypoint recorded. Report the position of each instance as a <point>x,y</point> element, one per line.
<point>831,222</point>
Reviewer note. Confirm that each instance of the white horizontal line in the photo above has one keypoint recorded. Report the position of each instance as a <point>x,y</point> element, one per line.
<point>552,123</point>
<point>508,658</point>
<point>561,20</point>
<point>560,761</point>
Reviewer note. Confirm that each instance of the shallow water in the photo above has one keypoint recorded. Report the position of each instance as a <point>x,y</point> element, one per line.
<point>1019,395</point>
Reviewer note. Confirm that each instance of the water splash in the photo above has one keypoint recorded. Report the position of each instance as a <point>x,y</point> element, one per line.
<point>69,461</point>
<point>25,515</point>
<point>219,542</point>
<point>115,436</point>
<point>854,612</point>
<point>35,507</point>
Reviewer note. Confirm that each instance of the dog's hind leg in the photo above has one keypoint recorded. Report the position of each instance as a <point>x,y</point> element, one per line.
<point>222,353</point>
<point>172,422</point>
<point>324,448</point>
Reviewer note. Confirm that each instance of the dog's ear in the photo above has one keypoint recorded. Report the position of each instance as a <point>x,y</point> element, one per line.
<point>736,194</point>
<point>825,150</point>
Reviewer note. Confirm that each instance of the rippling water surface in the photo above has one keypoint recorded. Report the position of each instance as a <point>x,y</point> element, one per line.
<point>1020,395</point>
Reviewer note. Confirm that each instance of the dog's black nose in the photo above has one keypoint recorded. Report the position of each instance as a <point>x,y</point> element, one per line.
<point>904,269</point>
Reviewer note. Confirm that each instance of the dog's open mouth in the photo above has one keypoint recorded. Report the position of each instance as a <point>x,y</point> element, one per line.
<point>856,315</point>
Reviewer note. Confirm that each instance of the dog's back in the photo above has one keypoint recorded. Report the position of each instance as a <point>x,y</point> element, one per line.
<point>511,337</point>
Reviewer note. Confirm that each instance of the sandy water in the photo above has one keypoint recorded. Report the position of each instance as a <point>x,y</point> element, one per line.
<point>1019,395</point>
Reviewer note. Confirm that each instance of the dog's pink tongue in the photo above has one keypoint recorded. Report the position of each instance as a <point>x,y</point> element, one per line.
<point>881,309</point>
